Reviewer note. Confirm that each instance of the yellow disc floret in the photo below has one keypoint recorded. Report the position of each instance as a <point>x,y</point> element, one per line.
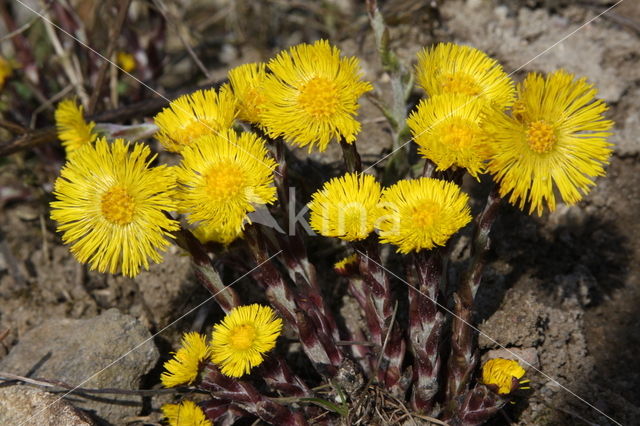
<point>312,95</point>
<point>502,373</point>
<point>204,112</point>
<point>184,367</point>
<point>241,339</point>
<point>422,213</point>
<point>463,70</point>
<point>111,206</point>
<point>555,141</point>
<point>346,207</point>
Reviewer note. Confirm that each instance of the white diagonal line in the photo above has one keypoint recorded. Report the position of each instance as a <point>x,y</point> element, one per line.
<point>508,75</point>
<point>146,340</point>
<point>44,18</point>
<point>551,379</point>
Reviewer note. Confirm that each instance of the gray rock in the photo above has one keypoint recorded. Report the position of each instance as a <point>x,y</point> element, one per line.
<point>109,351</point>
<point>22,405</point>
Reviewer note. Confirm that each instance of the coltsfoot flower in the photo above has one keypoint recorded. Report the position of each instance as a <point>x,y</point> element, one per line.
<point>191,116</point>
<point>555,139</point>
<point>346,207</point>
<point>126,61</point>
<point>223,177</point>
<point>312,95</point>
<point>247,84</point>
<point>452,68</point>
<point>214,234</point>
<point>504,374</point>
<point>447,129</point>
<point>6,69</point>
<point>73,131</point>
<point>184,367</point>
<point>347,265</point>
<point>110,206</point>
<point>239,342</point>
<point>187,413</point>
<point>422,213</point>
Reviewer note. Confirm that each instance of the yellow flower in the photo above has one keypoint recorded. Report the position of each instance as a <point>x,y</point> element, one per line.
<point>244,335</point>
<point>347,265</point>
<point>503,373</point>
<point>556,139</point>
<point>110,206</point>
<point>126,61</point>
<point>73,131</point>
<point>447,129</point>
<point>191,116</point>
<point>346,207</point>
<point>184,367</point>
<point>215,234</point>
<point>187,413</point>
<point>246,82</point>
<point>223,177</point>
<point>5,71</point>
<point>422,213</point>
<point>312,95</point>
<point>451,68</point>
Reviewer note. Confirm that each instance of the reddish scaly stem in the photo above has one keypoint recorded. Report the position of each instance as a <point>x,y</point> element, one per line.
<point>463,357</point>
<point>425,328</point>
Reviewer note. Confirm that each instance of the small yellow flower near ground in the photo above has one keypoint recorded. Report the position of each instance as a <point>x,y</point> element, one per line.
<point>126,61</point>
<point>247,84</point>
<point>191,116</point>
<point>554,140</point>
<point>452,68</point>
<point>312,95</point>
<point>347,265</point>
<point>503,373</point>
<point>110,206</point>
<point>346,207</point>
<point>223,177</point>
<point>73,130</point>
<point>184,367</point>
<point>244,335</point>
<point>5,71</point>
<point>187,413</point>
<point>447,129</point>
<point>422,213</point>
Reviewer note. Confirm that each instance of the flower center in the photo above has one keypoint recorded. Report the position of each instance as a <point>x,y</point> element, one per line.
<point>460,83</point>
<point>457,137</point>
<point>319,97</point>
<point>243,336</point>
<point>118,206</point>
<point>425,213</point>
<point>355,220</point>
<point>195,129</point>
<point>541,137</point>
<point>252,104</point>
<point>224,181</point>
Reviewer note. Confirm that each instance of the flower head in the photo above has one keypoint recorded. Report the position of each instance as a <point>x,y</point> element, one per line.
<point>502,373</point>
<point>246,82</point>
<point>184,367</point>
<point>312,95</point>
<point>211,233</point>
<point>200,113</point>
<point>6,69</point>
<point>346,207</point>
<point>447,129</point>
<point>422,213</point>
<point>451,68</point>
<point>555,139</point>
<point>244,335</point>
<point>126,61</point>
<point>223,177</point>
<point>187,413</point>
<point>110,206</point>
<point>347,265</point>
<point>73,131</point>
